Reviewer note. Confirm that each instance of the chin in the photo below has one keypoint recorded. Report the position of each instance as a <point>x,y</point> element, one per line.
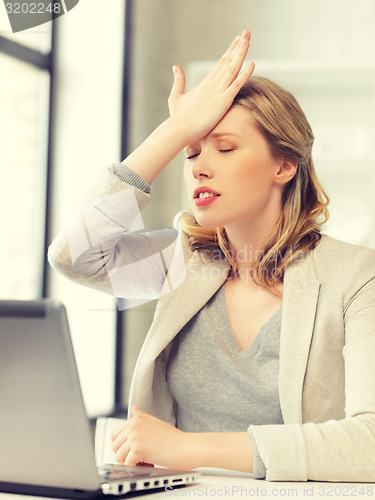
<point>208,222</point>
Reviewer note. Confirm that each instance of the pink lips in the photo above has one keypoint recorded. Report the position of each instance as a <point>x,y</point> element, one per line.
<point>201,202</point>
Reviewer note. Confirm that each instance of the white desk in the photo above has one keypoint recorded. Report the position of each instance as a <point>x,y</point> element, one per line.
<point>218,487</point>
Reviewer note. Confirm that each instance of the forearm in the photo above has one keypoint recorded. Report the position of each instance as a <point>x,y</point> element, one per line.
<point>224,450</point>
<point>154,154</point>
<point>93,241</point>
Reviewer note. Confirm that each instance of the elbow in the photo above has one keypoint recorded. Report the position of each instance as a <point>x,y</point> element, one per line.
<point>58,257</point>
<point>86,269</point>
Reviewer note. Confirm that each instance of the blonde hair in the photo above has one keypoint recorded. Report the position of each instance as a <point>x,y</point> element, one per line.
<point>283,124</point>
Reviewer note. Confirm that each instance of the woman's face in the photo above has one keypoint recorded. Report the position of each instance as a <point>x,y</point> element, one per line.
<point>235,165</point>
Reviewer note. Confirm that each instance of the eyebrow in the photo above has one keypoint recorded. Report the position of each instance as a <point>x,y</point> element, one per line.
<point>215,135</point>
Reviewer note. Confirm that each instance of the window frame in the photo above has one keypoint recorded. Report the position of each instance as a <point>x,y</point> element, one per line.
<point>45,62</point>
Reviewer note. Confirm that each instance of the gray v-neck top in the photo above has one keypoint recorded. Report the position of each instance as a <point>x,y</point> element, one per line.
<point>217,386</point>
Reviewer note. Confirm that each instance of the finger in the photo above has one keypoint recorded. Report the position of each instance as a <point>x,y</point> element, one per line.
<point>229,52</point>
<point>224,57</point>
<point>228,55</point>
<point>119,441</point>
<point>122,454</point>
<point>246,35</point>
<point>230,49</point>
<point>118,431</point>
<point>178,87</point>
<point>240,81</point>
<point>230,70</point>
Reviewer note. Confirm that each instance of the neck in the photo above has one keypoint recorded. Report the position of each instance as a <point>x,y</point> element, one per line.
<point>246,241</point>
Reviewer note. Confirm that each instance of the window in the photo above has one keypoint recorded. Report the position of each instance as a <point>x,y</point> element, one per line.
<point>24,132</point>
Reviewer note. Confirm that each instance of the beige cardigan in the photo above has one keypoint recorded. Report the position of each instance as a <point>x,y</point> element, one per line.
<point>327,344</point>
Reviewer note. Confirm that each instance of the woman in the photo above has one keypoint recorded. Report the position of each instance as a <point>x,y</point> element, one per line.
<point>261,356</point>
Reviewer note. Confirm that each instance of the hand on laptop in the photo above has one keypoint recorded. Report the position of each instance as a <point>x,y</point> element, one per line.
<point>144,439</point>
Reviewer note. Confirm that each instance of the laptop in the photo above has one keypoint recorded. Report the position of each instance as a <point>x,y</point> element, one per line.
<point>46,441</point>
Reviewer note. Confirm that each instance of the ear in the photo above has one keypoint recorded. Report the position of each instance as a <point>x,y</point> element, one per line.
<point>286,171</point>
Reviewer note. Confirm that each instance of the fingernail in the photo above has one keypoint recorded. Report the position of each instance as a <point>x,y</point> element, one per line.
<point>174,69</point>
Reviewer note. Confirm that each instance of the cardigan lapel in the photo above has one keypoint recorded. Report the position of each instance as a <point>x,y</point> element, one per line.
<point>149,390</point>
<point>300,298</point>
<point>175,309</point>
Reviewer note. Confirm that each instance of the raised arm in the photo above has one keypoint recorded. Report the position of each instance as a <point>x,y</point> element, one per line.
<point>102,245</point>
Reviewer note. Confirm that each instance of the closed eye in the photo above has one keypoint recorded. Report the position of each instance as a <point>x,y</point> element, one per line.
<point>190,157</point>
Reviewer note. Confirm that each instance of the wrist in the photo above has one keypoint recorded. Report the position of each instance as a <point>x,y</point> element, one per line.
<point>154,154</point>
<point>179,130</point>
<point>224,450</point>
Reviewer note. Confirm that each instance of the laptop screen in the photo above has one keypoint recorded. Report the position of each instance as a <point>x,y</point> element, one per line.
<point>45,437</point>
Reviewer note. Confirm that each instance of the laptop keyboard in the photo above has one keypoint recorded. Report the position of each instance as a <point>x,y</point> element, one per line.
<point>108,472</point>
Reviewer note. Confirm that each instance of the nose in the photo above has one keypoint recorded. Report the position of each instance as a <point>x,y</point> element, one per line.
<point>201,169</point>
